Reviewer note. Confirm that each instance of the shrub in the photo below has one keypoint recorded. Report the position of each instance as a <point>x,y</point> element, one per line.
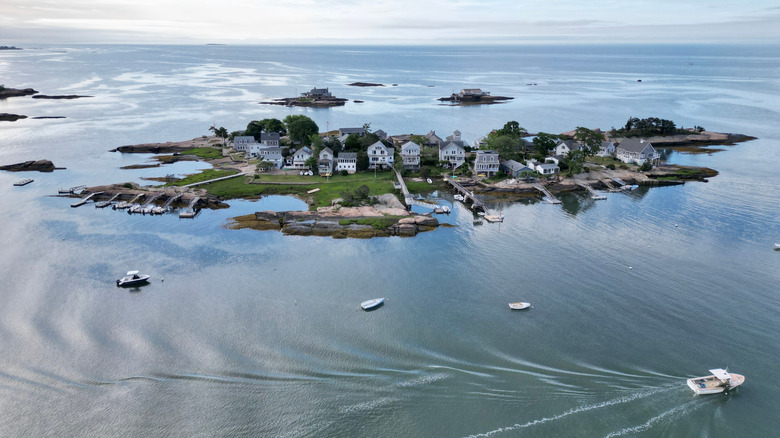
<point>611,166</point>
<point>344,172</point>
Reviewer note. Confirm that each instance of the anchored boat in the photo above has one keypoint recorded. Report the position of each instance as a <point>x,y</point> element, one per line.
<point>519,305</point>
<point>720,380</point>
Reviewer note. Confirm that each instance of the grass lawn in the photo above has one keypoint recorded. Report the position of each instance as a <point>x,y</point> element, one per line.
<point>330,188</point>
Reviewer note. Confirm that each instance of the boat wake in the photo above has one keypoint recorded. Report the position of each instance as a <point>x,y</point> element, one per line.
<point>671,413</point>
<point>577,410</point>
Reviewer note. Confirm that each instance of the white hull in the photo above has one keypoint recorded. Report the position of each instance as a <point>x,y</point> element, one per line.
<point>519,305</point>
<point>372,304</point>
<point>712,385</point>
<point>132,280</point>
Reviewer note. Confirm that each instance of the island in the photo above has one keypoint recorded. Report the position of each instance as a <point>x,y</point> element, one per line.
<point>315,98</point>
<point>32,166</point>
<point>474,96</point>
<point>66,96</point>
<point>365,84</point>
<point>362,183</point>
<point>15,92</point>
<point>8,117</point>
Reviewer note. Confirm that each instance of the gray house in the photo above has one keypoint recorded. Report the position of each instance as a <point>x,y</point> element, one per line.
<point>347,161</point>
<point>325,163</point>
<point>242,143</point>
<point>635,150</point>
<point>486,163</point>
<point>272,154</point>
<point>317,93</point>
<point>515,169</point>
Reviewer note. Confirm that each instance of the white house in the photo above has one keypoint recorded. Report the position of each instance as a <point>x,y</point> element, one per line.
<point>544,168</point>
<point>300,156</point>
<point>272,154</point>
<point>452,152</point>
<point>380,156</point>
<point>410,152</point>
<point>241,143</point>
<point>635,150</point>
<point>564,147</point>
<point>486,163</point>
<point>347,161</point>
<point>325,163</point>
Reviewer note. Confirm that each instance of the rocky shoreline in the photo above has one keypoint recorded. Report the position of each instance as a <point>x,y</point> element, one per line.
<point>338,226</point>
<point>482,100</point>
<point>297,101</point>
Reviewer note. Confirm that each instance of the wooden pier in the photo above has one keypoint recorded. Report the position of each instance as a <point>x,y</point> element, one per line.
<point>550,197</point>
<point>215,180</point>
<point>23,182</point>
<point>84,200</point>
<point>593,193</point>
<point>468,195</point>
<point>104,204</point>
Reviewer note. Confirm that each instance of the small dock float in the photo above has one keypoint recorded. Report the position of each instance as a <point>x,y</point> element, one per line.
<point>23,182</point>
<point>104,204</point>
<point>549,197</point>
<point>494,218</point>
<point>190,212</point>
<point>84,200</point>
<point>593,193</point>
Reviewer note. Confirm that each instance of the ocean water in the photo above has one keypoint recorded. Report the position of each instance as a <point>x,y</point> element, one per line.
<point>246,333</point>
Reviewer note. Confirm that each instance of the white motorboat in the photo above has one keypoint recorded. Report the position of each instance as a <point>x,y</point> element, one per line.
<point>720,380</point>
<point>459,197</point>
<point>519,305</point>
<point>630,187</point>
<point>777,246</point>
<point>372,304</point>
<point>133,278</point>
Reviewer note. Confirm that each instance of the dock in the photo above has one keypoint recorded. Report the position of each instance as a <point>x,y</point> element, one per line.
<point>593,193</point>
<point>610,186</point>
<point>84,200</point>
<point>550,197</point>
<point>71,191</point>
<point>23,182</point>
<point>190,212</point>
<point>104,204</point>
<point>468,195</point>
<point>125,204</point>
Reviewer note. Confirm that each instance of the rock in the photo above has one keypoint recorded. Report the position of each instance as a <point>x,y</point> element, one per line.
<point>6,117</point>
<point>40,166</point>
<point>426,221</point>
<point>407,220</point>
<point>405,230</point>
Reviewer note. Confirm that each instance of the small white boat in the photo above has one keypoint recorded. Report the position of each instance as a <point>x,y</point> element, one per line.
<point>630,187</point>
<point>133,278</point>
<point>720,380</point>
<point>519,305</point>
<point>777,246</point>
<point>372,304</point>
<point>430,181</point>
<point>494,217</point>
<point>459,197</point>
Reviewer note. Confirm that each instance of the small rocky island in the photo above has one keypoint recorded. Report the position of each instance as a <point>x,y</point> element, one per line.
<point>32,166</point>
<point>315,98</point>
<point>473,96</point>
<point>15,92</point>
<point>8,117</point>
<point>365,84</point>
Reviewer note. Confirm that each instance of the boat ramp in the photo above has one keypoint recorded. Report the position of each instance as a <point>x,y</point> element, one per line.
<point>84,200</point>
<point>72,190</point>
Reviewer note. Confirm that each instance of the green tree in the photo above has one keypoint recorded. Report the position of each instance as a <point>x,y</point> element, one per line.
<point>311,163</point>
<point>333,143</point>
<point>300,128</point>
<point>544,143</point>
<point>420,140</point>
<point>362,161</point>
<point>352,142</point>
<point>512,129</point>
<point>591,140</point>
<point>220,132</point>
<point>575,160</point>
<point>506,146</point>
<point>316,143</point>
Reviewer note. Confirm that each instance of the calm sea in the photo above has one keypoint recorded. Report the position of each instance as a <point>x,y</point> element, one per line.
<point>246,333</point>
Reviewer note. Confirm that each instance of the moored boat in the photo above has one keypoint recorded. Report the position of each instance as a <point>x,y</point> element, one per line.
<point>372,304</point>
<point>430,181</point>
<point>133,278</point>
<point>520,305</point>
<point>721,380</point>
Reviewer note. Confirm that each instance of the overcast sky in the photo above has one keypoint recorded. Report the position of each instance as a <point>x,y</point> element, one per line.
<point>388,21</point>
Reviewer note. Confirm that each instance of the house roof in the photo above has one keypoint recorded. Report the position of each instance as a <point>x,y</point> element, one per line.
<point>572,145</point>
<point>379,144</point>
<point>243,138</point>
<point>328,150</point>
<point>269,136</point>
<point>634,144</point>
<point>480,152</point>
<point>304,149</point>
<point>348,155</point>
<point>409,144</point>
<point>514,166</point>
<point>348,131</point>
<point>456,143</point>
<point>381,134</point>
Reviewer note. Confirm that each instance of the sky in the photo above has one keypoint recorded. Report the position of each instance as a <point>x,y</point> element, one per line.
<point>392,22</point>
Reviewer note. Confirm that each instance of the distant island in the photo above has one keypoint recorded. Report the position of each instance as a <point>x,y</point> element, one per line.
<point>365,84</point>
<point>15,92</point>
<point>315,98</point>
<point>9,48</point>
<point>474,96</point>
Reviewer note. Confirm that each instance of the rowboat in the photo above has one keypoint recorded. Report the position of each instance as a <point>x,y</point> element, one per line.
<point>372,304</point>
<point>519,305</point>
